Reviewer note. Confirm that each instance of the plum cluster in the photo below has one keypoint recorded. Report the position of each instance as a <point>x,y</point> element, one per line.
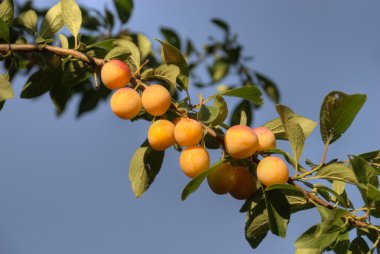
<point>240,142</point>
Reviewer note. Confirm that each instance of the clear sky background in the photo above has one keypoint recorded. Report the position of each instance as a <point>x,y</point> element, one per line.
<point>64,184</point>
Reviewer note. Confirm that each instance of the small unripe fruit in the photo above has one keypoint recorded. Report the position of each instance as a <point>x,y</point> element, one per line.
<point>187,132</point>
<point>194,160</point>
<point>156,100</point>
<point>222,179</point>
<point>241,141</point>
<point>161,135</point>
<point>272,170</point>
<point>245,185</point>
<point>267,140</point>
<point>115,74</point>
<point>125,103</point>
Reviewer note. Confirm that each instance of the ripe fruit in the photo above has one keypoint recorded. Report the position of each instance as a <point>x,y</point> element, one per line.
<point>266,137</point>
<point>194,160</point>
<point>272,170</point>
<point>245,185</point>
<point>241,141</point>
<point>188,132</point>
<point>161,135</point>
<point>222,179</point>
<point>125,103</point>
<point>115,74</point>
<point>156,100</point>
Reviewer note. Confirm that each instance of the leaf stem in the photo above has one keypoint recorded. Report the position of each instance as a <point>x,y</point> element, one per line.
<point>325,150</point>
<point>320,165</point>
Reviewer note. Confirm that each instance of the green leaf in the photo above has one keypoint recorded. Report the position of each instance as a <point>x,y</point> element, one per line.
<point>342,243</point>
<point>371,233</point>
<point>364,172</point>
<point>106,45</point>
<point>278,130</point>
<point>171,37</point>
<point>287,157</point>
<point>337,113</point>
<point>39,83</point>
<point>144,45</point>
<point>358,246</point>
<point>331,219</point>
<point>338,172</point>
<point>340,188</point>
<point>109,18</point>
<point>218,70</point>
<point>254,200</point>
<point>64,41</point>
<point>373,193</point>
<point>72,16</point>
<point>250,93</point>
<point>144,166</point>
<point>221,106</point>
<point>193,185</point>
<point>293,130</point>
<point>6,90</point>
<point>120,53</point>
<point>164,72</point>
<point>244,107</point>
<point>60,92</point>
<point>221,24</point>
<point>308,251</point>
<point>295,197</point>
<point>373,158</point>
<point>257,224</point>
<point>278,211</point>
<point>4,31</point>
<point>283,187</point>
<point>309,239</point>
<point>52,21</point>
<point>90,99</point>
<point>207,114</point>
<point>7,11</point>
<point>76,73</point>
<point>171,55</point>
<point>131,50</point>
<point>269,87</point>
<point>28,19</point>
<point>124,9</point>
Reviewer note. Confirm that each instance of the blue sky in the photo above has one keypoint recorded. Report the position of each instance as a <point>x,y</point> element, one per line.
<point>64,184</point>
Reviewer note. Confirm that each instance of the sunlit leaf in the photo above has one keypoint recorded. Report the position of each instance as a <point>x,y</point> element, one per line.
<point>6,11</point>
<point>171,55</point>
<point>6,90</point>
<point>338,172</point>
<point>72,16</point>
<point>28,19</point>
<point>293,130</point>
<point>250,93</point>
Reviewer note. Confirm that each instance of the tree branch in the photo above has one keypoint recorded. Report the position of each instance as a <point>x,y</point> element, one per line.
<point>25,48</point>
<point>353,220</point>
